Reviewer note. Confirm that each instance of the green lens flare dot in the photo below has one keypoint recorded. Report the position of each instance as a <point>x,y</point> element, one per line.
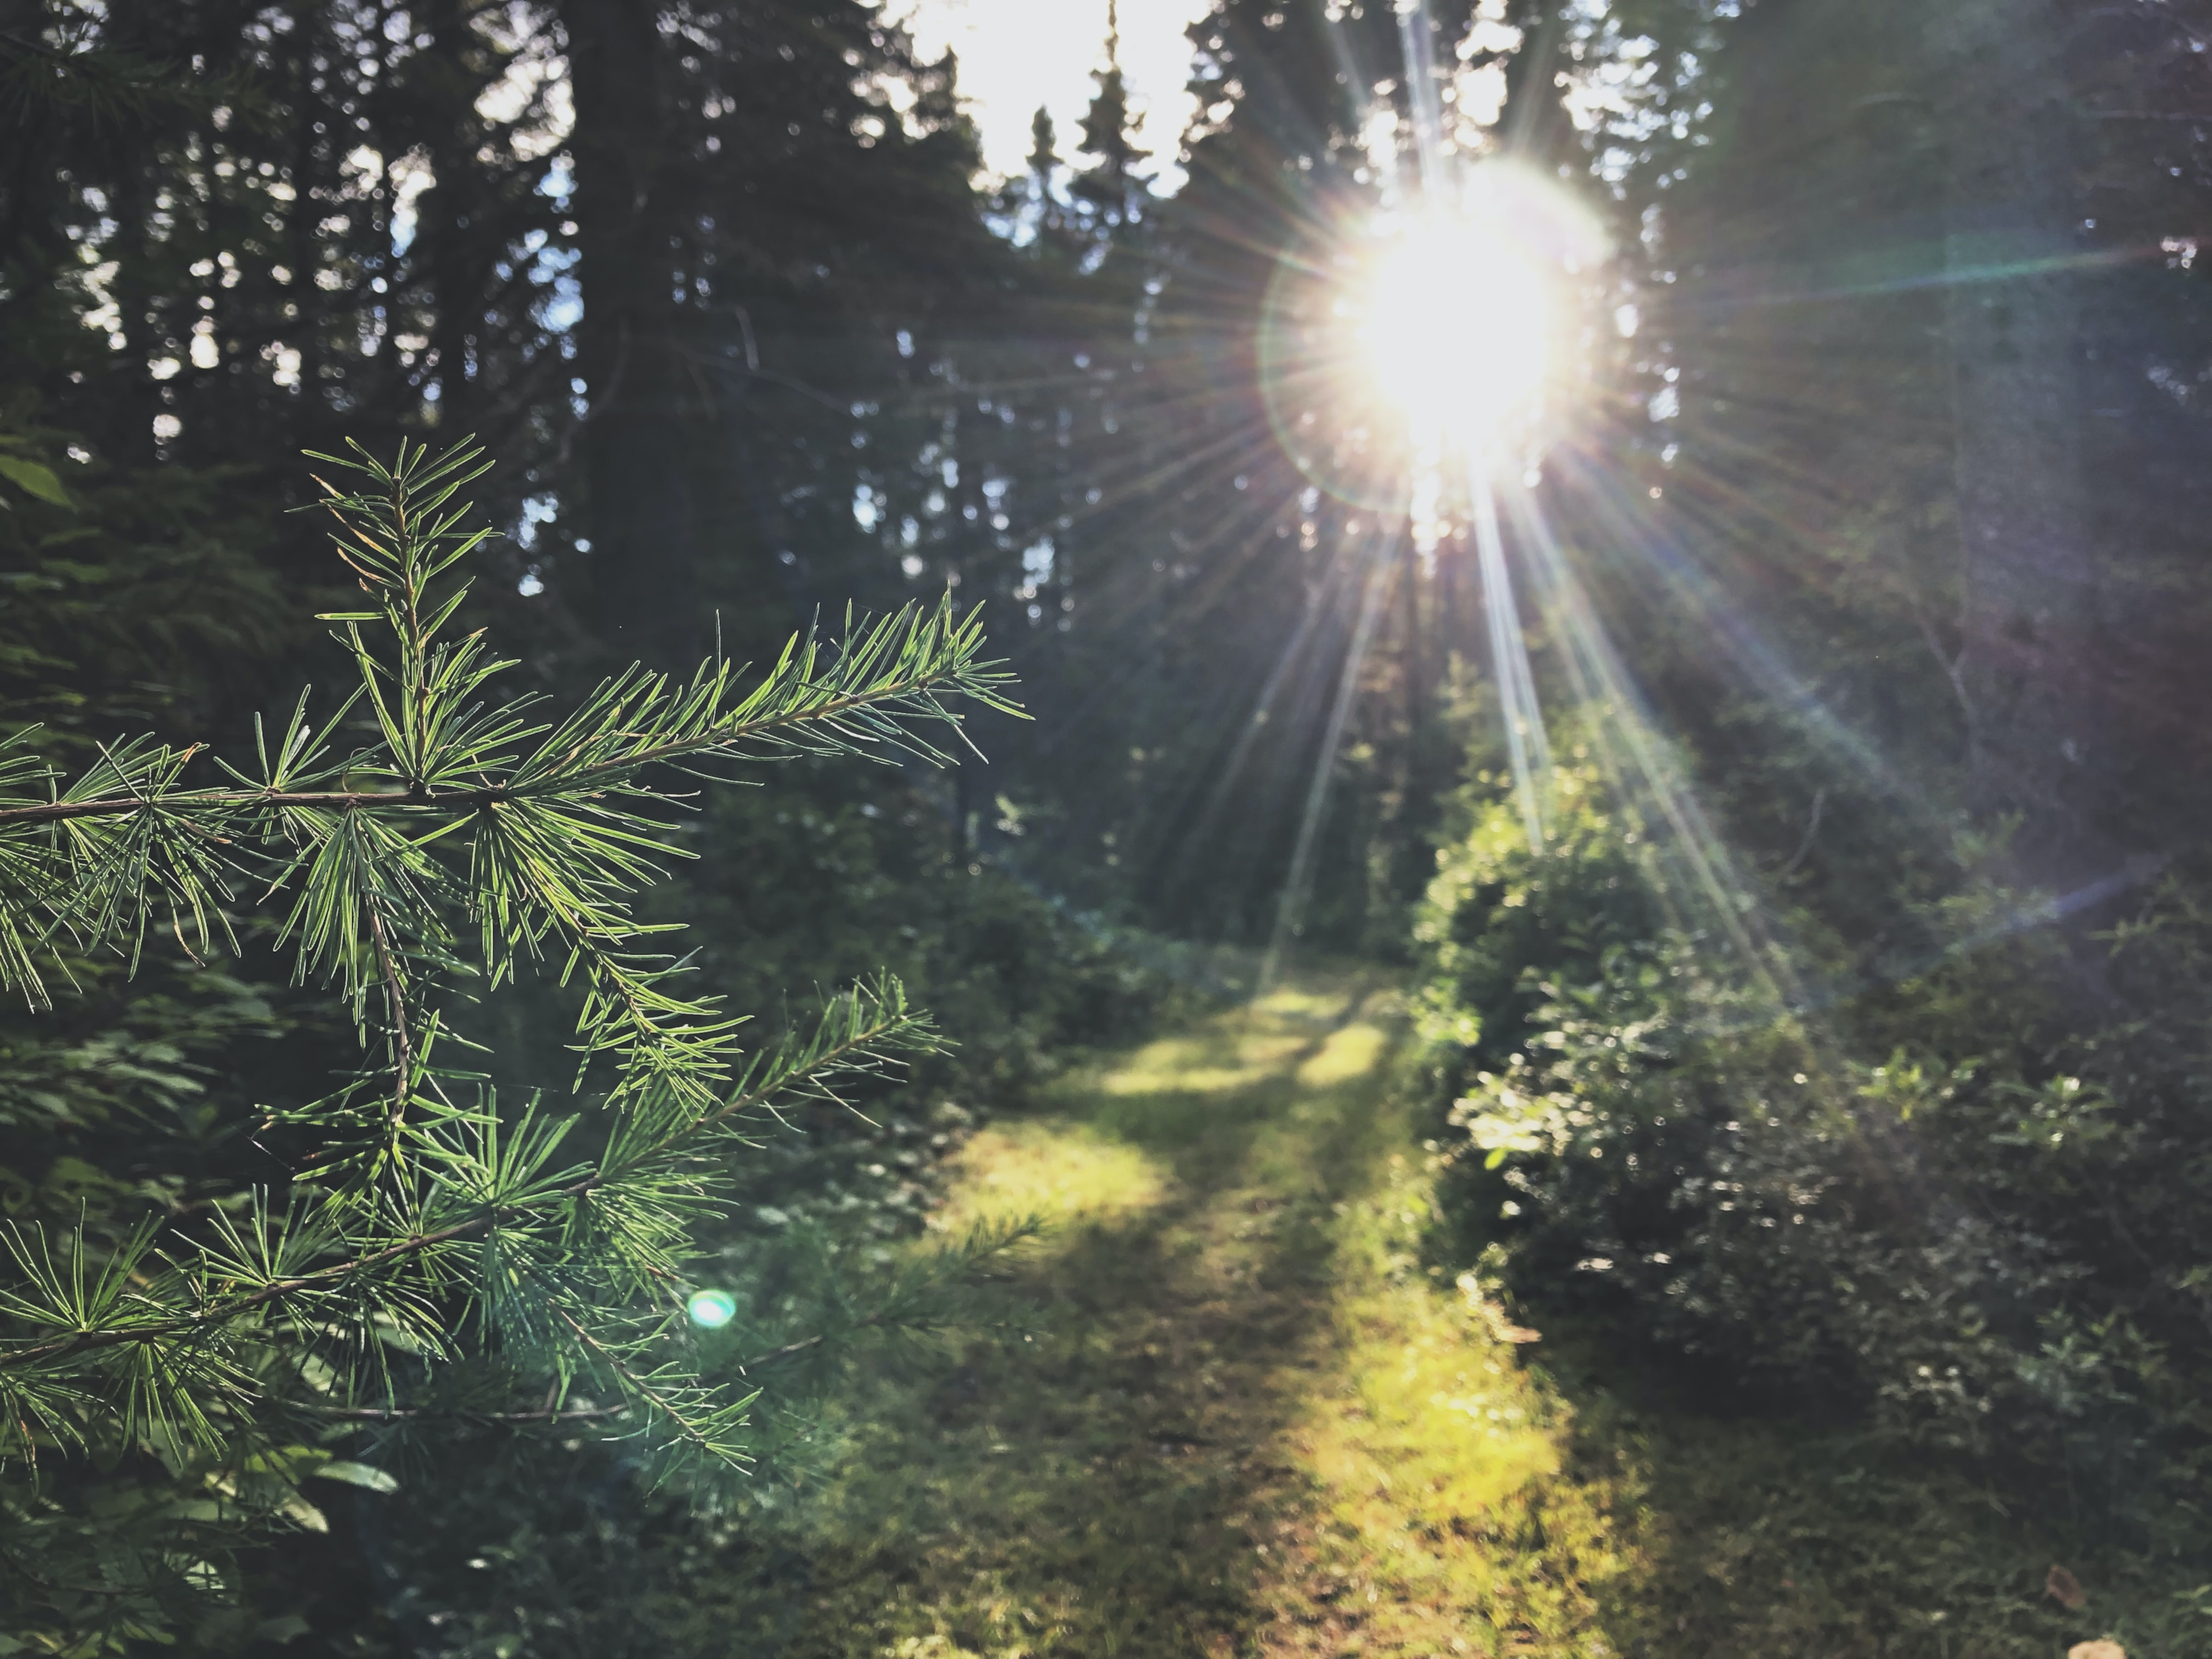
<point>711,1308</point>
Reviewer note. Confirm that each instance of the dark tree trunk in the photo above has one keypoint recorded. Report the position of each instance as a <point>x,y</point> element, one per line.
<point>2030,662</point>
<point>311,337</point>
<point>641,398</point>
<point>449,228</point>
<point>31,247</point>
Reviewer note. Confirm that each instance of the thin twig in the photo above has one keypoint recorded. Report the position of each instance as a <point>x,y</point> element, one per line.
<point>1812,829</point>
<point>644,1389</point>
<point>1953,666</point>
<point>395,998</point>
<point>408,1414</point>
<point>789,1349</point>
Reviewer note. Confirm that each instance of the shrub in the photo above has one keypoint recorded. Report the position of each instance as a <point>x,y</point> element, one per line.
<point>1962,1204</point>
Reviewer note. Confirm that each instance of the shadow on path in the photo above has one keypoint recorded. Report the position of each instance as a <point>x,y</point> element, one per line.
<point>1248,1418</point>
<point>1245,1420</point>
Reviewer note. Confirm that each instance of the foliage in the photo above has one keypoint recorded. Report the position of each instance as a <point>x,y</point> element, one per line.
<point>1904,1206</point>
<point>424,834</point>
<point>1930,1197</point>
<point>1250,1404</point>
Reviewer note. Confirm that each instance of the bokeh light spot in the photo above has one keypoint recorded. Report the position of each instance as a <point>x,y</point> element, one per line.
<point>712,1309</point>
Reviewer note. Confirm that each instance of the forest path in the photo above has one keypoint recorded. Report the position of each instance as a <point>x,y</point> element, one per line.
<point>1246,1420</point>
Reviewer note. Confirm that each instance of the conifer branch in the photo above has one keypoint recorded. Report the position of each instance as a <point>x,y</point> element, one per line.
<point>414,1415</point>
<point>819,1061</point>
<point>420,1215</point>
<point>697,1429</point>
<point>950,673</point>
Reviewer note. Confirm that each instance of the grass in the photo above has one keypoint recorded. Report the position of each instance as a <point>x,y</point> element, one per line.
<point>1248,1418</point>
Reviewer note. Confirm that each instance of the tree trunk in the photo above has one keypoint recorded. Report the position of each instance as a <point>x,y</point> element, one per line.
<point>641,396</point>
<point>2029,590</point>
<point>31,247</point>
<point>447,237</point>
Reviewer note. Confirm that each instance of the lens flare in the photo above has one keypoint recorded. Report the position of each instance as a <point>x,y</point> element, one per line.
<point>712,1309</point>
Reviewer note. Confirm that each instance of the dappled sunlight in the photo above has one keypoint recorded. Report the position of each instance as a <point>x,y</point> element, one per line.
<point>1295,1004</point>
<point>1248,1419</point>
<point>1440,1519</point>
<point>1174,1072</point>
<point>1232,1052</point>
<point>1353,1052</point>
<point>1055,1172</point>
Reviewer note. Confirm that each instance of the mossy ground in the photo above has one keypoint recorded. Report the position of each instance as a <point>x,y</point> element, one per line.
<point>1248,1418</point>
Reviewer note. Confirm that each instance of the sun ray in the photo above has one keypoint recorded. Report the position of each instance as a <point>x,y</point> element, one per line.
<point>1526,744</point>
<point>1652,782</point>
<point>1290,915</point>
<point>1263,709</point>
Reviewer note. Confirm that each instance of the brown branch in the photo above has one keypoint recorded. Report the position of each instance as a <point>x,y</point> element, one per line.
<point>789,1349</point>
<point>381,1414</point>
<point>335,799</point>
<point>402,1415</point>
<point>399,1249</point>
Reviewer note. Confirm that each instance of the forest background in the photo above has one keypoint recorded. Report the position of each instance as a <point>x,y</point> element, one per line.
<point>1847,1040</point>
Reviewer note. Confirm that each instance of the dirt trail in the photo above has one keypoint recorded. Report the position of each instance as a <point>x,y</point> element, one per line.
<point>1247,1420</point>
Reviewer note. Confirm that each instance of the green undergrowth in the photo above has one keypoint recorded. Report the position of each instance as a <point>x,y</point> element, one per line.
<point>1758,1533</point>
<point>1237,1407</point>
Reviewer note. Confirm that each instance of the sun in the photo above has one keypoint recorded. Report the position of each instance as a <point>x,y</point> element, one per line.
<point>1414,340</point>
<point>1456,315</point>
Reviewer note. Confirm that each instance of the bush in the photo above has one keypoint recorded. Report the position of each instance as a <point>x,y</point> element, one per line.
<point>1961,1206</point>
